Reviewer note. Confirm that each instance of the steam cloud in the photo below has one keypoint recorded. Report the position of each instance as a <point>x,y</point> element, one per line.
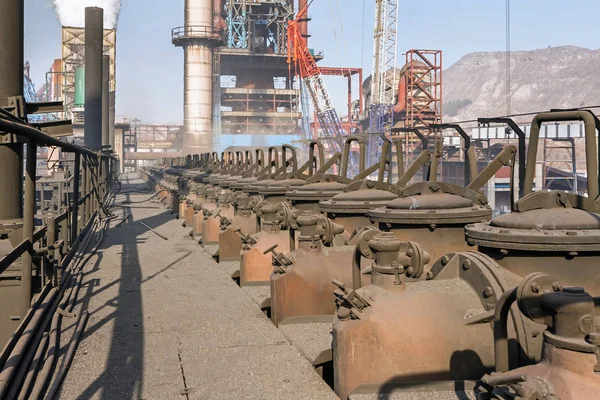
<point>72,12</point>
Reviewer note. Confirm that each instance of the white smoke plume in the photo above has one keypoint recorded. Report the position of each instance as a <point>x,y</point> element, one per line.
<point>72,12</point>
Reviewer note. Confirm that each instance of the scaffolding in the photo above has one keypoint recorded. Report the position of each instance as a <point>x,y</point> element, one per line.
<point>423,76</point>
<point>130,137</point>
<point>73,56</point>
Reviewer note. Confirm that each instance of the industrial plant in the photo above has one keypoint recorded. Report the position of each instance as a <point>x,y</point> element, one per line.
<point>273,246</point>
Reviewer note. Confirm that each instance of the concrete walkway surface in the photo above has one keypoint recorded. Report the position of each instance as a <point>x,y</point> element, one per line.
<point>168,322</point>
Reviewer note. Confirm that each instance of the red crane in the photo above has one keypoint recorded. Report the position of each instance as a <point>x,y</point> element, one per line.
<point>305,66</point>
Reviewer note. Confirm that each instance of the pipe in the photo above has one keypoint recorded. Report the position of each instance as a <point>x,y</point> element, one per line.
<point>346,154</point>
<point>11,84</point>
<point>9,369</point>
<point>111,118</point>
<point>33,368</point>
<point>432,174</point>
<point>105,103</point>
<point>522,145</point>
<point>501,329</point>
<point>93,77</point>
<point>68,356</point>
<point>471,170</point>
<point>386,157</point>
<point>591,152</point>
<point>399,158</point>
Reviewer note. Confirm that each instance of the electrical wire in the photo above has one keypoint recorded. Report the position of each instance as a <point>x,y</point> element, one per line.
<point>347,63</point>
<point>362,36</point>
<point>468,121</point>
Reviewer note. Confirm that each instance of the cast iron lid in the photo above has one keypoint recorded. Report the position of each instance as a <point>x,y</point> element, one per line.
<point>255,186</point>
<point>319,187</point>
<point>434,203</point>
<point>242,183</point>
<point>212,177</point>
<point>542,221</point>
<point>217,179</point>
<point>227,182</point>
<point>360,197</point>
<point>281,186</point>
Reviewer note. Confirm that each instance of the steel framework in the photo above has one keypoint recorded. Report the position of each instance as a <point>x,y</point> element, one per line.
<point>423,88</point>
<point>257,95</point>
<point>383,84</point>
<point>73,51</point>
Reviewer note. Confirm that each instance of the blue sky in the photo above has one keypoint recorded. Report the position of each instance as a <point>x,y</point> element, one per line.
<point>150,68</point>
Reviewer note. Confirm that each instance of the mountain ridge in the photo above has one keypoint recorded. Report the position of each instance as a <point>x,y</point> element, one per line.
<point>554,77</point>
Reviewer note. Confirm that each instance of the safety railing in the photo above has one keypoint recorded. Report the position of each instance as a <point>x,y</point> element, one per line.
<point>36,274</point>
<point>197,32</point>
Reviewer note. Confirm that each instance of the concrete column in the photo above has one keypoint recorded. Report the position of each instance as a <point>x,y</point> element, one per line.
<point>198,52</point>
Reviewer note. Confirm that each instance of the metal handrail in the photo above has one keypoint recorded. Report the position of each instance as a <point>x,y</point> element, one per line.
<point>196,31</point>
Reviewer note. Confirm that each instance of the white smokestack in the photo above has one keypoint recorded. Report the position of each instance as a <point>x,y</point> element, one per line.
<point>72,12</point>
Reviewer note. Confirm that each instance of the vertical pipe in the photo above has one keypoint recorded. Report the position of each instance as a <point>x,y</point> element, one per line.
<point>28,224</point>
<point>105,102</point>
<point>11,84</point>
<point>75,211</point>
<point>93,77</point>
<point>111,119</point>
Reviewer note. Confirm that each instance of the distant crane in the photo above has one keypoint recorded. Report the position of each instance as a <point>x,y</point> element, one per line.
<point>305,65</point>
<point>383,82</point>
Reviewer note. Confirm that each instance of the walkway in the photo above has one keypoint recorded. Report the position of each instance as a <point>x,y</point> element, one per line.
<point>167,322</point>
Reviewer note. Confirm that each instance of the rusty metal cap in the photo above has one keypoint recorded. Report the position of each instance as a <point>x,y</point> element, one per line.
<point>227,182</point>
<point>242,183</point>
<point>542,221</point>
<point>281,186</point>
<point>357,201</point>
<point>316,191</point>
<point>553,219</point>
<point>257,185</point>
<point>442,201</point>
<point>434,203</point>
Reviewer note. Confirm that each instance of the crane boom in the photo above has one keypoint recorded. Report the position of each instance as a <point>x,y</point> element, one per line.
<point>306,67</point>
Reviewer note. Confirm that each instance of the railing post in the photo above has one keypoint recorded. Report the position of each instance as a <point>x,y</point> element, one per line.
<point>74,214</point>
<point>51,238</point>
<point>28,225</point>
<point>64,236</point>
<point>88,187</point>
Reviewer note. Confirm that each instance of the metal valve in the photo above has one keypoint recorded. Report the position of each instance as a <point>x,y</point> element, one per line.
<point>280,261</point>
<point>247,240</point>
<point>350,305</point>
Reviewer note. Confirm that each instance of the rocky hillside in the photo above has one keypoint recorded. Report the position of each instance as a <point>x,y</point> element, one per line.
<point>557,77</point>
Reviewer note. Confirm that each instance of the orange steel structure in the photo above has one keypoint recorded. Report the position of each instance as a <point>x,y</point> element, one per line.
<point>423,88</point>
